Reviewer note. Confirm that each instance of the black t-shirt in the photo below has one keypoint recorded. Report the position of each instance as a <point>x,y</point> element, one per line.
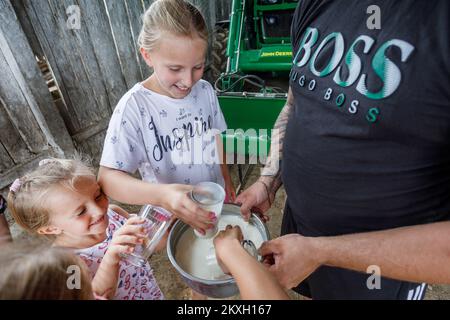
<point>368,146</point>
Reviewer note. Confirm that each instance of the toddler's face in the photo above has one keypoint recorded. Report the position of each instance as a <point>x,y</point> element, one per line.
<point>178,63</point>
<point>80,212</point>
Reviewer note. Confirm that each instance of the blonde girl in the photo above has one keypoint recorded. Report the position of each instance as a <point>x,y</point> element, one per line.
<point>166,126</point>
<point>31,271</point>
<point>62,201</point>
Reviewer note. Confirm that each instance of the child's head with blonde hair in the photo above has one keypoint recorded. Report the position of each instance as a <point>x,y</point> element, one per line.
<point>40,272</point>
<point>173,41</point>
<point>59,197</point>
<point>178,17</point>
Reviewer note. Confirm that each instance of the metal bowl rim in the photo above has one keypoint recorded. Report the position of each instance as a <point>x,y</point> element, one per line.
<point>191,277</point>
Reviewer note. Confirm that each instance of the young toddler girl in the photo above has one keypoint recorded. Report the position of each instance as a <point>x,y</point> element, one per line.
<point>62,201</point>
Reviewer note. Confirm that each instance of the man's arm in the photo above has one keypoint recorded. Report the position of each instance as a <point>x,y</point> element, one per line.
<point>271,173</point>
<point>418,254</point>
<point>261,194</point>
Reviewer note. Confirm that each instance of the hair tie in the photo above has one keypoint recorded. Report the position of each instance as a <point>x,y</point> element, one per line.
<point>15,186</point>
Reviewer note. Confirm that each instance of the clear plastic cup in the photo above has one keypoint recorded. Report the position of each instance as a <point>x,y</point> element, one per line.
<point>210,197</point>
<point>157,221</point>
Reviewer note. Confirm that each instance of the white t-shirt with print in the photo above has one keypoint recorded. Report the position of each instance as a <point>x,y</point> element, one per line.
<point>168,140</point>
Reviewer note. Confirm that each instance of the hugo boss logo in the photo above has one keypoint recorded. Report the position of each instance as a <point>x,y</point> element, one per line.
<point>387,71</point>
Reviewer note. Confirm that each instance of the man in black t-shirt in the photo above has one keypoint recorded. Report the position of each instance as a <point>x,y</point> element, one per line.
<point>365,152</point>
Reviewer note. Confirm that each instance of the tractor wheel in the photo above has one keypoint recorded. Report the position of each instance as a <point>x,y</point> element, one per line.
<point>219,49</point>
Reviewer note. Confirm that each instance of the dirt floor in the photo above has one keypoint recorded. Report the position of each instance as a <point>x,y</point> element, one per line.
<point>173,286</point>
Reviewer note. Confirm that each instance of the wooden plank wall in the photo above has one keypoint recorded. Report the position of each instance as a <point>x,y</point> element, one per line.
<point>93,65</point>
<point>92,68</point>
<point>29,127</point>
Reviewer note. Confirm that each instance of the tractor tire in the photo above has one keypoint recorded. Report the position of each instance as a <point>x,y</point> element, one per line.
<point>219,49</point>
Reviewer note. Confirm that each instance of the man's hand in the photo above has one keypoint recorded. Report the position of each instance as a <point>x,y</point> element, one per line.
<point>291,258</point>
<point>256,199</point>
<point>260,196</point>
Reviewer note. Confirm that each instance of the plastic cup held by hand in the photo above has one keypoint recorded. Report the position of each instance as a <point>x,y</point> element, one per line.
<point>210,197</point>
<point>157,221</point>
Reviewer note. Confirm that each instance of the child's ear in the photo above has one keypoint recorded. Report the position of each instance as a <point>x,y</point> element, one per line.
<point>49,230</point>
<point>147,57</point>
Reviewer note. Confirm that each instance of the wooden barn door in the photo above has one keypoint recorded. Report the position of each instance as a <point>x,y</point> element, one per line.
<point>31,127</point>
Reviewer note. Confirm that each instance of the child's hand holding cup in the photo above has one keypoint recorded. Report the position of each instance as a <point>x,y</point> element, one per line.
<point>154,223</point>
<point>210,197</point>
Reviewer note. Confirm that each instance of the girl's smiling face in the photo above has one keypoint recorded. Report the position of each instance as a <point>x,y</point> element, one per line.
<point>178,63</point>
<point>79,212</point>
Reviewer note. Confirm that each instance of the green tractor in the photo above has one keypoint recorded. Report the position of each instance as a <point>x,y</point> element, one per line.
<point>252,60</point>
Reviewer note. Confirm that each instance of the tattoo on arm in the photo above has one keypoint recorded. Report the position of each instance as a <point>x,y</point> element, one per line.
<point>272,171</point>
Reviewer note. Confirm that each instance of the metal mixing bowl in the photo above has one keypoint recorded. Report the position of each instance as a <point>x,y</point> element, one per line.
<point>212,288</point>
